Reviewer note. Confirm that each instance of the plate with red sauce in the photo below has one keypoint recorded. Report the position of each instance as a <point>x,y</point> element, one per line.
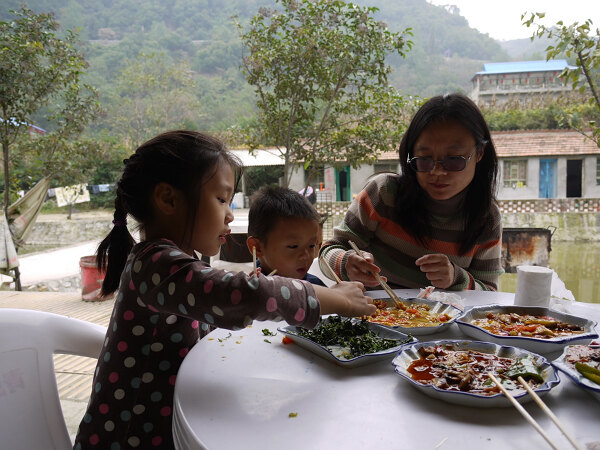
<point>455,371</point>
<point>534,328</point>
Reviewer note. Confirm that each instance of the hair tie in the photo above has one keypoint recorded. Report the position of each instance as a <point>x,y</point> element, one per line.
<point>119,223</point>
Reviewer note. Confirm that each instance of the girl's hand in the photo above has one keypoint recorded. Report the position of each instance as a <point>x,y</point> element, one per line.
<point>258,272</point>
<point>346,299</point>
<point>438,269</point>
<point>359,269</point>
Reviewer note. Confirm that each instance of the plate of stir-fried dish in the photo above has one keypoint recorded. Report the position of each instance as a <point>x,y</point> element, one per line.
<point>456,371</point>
<point>534,328</point>
<point>415,316</point>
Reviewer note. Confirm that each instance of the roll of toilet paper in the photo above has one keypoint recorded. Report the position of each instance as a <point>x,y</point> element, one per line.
<point>533,286</point>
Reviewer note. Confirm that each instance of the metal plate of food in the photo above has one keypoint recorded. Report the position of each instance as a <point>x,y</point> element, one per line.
<point>582,364</point>
<point>534,328</point>
<point>415,316</point>
<point>348,342</point>
<point>456,371</point>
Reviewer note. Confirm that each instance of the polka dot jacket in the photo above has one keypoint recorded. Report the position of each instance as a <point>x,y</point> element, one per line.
<point>167,300</point>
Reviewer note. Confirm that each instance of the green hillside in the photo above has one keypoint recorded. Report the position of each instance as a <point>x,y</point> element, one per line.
<point>445,55</point>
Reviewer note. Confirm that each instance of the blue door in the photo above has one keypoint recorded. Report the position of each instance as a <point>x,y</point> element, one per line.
<point>547,178</point>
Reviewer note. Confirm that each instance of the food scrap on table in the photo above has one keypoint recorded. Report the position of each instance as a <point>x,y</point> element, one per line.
<point>225,338</point>
<point>267,332</point>
<point>293,414</point>
<point>287,340</point>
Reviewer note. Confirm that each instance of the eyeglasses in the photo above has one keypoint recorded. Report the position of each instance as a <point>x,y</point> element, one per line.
<point>449,163</point>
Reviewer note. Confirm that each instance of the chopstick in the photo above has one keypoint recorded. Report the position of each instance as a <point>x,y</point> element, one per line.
<point>380,280</point>
<point>273,272</point>
<point>329,269</point>
<point>550,414</point>
<point>254,260</point>
<point>522,410</point>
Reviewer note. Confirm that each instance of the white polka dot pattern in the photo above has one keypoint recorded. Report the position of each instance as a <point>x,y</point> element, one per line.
<point>166,302</point>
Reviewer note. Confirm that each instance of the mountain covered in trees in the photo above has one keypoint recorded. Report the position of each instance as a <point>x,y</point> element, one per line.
<point>199,37</point>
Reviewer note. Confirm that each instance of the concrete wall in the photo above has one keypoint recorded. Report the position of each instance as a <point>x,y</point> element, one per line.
<point>590,188</point>
<point>297,180</point>
<point>67,232</point>
<point>359,177</point>
<point>519,193</point>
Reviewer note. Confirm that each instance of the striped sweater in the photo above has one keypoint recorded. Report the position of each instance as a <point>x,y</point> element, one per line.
<point>369,223</point>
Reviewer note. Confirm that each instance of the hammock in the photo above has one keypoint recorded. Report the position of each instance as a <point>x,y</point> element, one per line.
<point>16,226</point>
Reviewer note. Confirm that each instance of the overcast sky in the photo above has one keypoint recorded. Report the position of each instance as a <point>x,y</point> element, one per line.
<point>502,19</point>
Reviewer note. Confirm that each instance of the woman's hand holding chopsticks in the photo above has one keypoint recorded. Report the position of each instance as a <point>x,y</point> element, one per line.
<point>362,269</point>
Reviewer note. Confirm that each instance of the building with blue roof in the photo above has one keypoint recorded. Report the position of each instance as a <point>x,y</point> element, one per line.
<point>520,81</point>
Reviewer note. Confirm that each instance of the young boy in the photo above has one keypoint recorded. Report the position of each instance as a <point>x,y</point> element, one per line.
<point>286,231</point>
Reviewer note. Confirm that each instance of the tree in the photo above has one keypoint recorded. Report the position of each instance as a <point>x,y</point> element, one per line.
<point>153,94</point>
<point>41,75</point>
<point>576,41</point>
<point>319,70</point>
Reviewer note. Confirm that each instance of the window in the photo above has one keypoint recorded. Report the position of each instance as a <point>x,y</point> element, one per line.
<point>386,167</point>
<point>597,170</point>
<point>515,173</point>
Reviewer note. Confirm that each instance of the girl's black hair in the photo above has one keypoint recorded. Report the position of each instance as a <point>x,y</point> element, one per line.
<point>481,192</point>
<point>185,160</point>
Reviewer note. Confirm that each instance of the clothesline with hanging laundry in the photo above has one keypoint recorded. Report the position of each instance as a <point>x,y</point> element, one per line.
<point>92,188</point>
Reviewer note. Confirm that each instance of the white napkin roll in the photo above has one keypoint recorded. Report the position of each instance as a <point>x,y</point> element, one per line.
<point>533,286</point>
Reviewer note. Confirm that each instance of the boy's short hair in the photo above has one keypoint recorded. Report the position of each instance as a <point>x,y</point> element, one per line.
<point>271,203</point>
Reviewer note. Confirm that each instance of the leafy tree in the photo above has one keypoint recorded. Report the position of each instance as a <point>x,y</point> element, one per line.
<point>320,74</point>
<point>153,94</point>
<point>579,42</point>
<point>41,74</point>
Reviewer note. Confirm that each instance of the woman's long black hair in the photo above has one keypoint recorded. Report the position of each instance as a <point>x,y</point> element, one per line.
<point>185,160</point>
<point>481,192</point>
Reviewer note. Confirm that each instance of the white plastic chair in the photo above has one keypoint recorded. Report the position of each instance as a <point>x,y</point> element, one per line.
<point>30,412</point>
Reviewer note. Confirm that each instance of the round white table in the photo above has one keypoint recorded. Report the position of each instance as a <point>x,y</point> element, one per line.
<point>235,390</point>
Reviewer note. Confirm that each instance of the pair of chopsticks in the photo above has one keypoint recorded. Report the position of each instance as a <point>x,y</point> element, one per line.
<point>254,263</point>
<point>329,269</point>
<point>530,419</point>
<point>380,280</point>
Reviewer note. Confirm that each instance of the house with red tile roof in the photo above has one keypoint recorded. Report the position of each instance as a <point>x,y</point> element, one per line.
<point>547,164</point>
<point>532,165</point>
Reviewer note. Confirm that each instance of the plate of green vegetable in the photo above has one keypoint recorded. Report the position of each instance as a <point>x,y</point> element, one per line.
<point>456,371</point>
<point>348,342</point>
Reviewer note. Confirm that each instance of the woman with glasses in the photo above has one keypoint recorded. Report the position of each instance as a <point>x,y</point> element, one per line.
<point>437,223</point>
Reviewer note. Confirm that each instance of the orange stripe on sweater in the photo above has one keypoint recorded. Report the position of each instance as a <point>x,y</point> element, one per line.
<point>392,228</point>
<point>471,285</point>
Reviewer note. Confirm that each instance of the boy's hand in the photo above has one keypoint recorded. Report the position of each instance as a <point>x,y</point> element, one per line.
<point>438,269</point>
<point>362,269</point>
